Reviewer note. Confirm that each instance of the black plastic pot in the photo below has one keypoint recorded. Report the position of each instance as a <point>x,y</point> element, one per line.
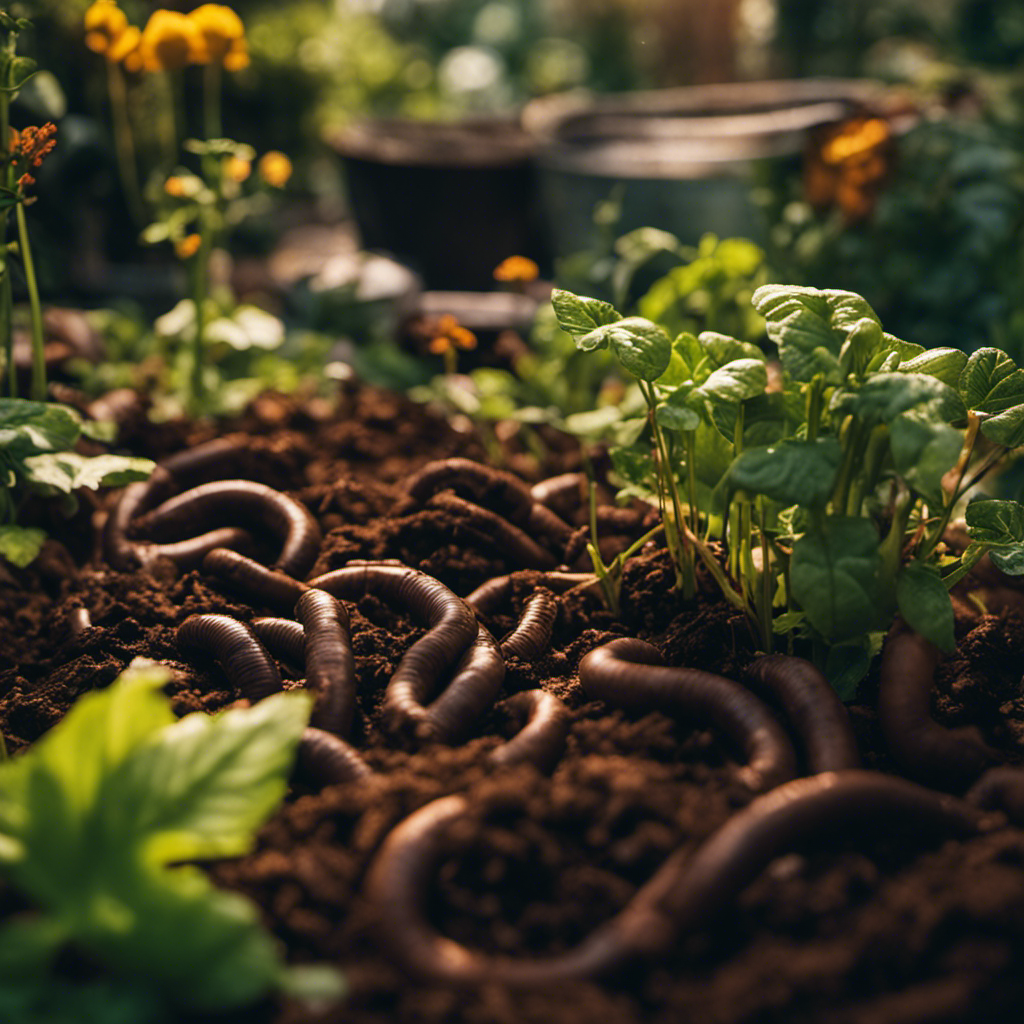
<point>451,199</point>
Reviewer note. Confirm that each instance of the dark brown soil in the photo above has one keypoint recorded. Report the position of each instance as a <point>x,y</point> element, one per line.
<point>897,927</point>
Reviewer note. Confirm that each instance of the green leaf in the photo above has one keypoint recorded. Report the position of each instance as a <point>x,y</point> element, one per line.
<point>677,417</point>
<point>721,349</point>
<point>688,362</point>
<point>834,577</point>
<point>862,343</point>
<point>736,381</point>
<point>884,396</point>
<point>578,315</point>
<point>642,347</point>
<point>791,472</point>
<point>810,326</point>
<point>21,545</point>
<point>999,524</point>
<point>922,452</point>
<point>67,471</point>
<point>1006,428</point>
<point>847,664</point>
<point>991,382</point>
<point>945,364</point>
<point>924,603</point>
<point>114,796</point>
<point>29,428</point>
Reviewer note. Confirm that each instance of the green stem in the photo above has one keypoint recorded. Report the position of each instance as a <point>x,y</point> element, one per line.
<point>169,121</point>
<point>766,579</point>
<point>200,288</point>
<point>690,437</point>
<point>965,566</point>
<point>814,398</point>
<point>212,123</point>
<point>848,437</point>
<point>866,481</point>
<point>930,542</point>
<point>891,549</point>
<point>124,144</point>
<point>38,390</point>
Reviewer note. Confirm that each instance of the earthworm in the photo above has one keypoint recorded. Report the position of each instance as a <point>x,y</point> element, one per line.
<point>330,665</point>
<point>684,894</point>
<point>284,638</point>
<point>532,634</point>
<point>249,501</point>
<point>512,541</point>
<point>1000,789</point>
<point>923,749</point>
<point>630,673</point>
<point>452,629</point>
<point>212,458</point>
<point>328,760</point>
<point>271,587</point>
<point>491,595</point>
<point>544,727</point>
<point>812,706</point>
<point>244,659</point>
<point>79,621</point>
<point>562,494</point>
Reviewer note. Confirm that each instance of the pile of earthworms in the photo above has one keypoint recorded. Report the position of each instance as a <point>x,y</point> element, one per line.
<point>453,674</point>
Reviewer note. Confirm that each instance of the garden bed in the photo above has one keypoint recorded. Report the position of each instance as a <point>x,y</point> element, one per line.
<point>897,925</point>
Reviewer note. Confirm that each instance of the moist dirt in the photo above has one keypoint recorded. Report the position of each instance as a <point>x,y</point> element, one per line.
<point>894,927</point>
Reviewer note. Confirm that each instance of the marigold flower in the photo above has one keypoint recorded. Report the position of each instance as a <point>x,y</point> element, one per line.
<point>188,246</point>
<point>218,32</point>
<point>183,186</point>
<point>125,49</point>
<point>237,57</point>
<point>450,335</point>
<point>847,165</point>
<point>27,148</point>
<point>237,169</point>
<point>168,41</point>
<point>104,23</point>
<point>275,168</point>
<point>516,268</point>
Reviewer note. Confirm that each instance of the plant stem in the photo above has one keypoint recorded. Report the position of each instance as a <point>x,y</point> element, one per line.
<point>930,542</point>
<point>891,549</point>
<point>6,294</point>
<point>691,478</point>
<point>814,396</point>
<point>38,389</point>
<point>212,124</point>
<point>200,287</point>
<point>169,121</point>
<point>965,566</point>
<point>766,579</point>
<point>124,144</point>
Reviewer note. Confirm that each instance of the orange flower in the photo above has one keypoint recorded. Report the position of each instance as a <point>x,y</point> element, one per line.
<point>237,169</point>
<point>182,186</point>
<point>188,246</point>
<point>168,41</point>
<point>275,168</point>
<point>515,269</point>
<point>27,149</point>
<point>450,335</point>
<point>125,49</point>
<point>847,165</point>
<point>104,23</point>
<point>220,36</point>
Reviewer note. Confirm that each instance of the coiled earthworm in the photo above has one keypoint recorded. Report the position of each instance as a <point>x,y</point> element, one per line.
<point>563,494</point>
<point>452,629</point>
<point>330,665</point>
<point>211,458</point>
<point>1000,789</point>
<point>532,634</point>
<point>812,706</point>
<point>512,541</point>
<point>495,490</point>
<point>684,893</point>
<point>251,502</point>
<point>284,638</point>
<point>630,673</point>
<point>924,749</point>
<point>270,587</point>
<point>544,726</point>
<point>244,659</point>
<point>79,621</point>
<point>327,760</point>
<point>491,595</point>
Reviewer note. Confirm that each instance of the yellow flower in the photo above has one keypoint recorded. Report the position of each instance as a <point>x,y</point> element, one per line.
<point>275,168</point>
<point>450,335</point>
<point>105,23</point>
<point>219,30</point>
<point>516,268</point>
<point>175,186</point>
<point>125,49</point>
<point>237,169</point>
<point>168,41</point>
<point>188,246</point>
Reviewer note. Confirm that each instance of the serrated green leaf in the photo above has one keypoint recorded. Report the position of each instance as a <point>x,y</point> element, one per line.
<point>923,451</point>
<point>945,364</point>
<point>884,396</point>
<point>834,574</point>
<point>790,472</point>
<point>21,545</point>
<point>991,382</point>
<point>924,603</point>
<point>30,428</point>
<point>999,524</point>
<point>642,347</point>
<point>578,315</point>
<point>1006,428</point>
<point>67,471</point>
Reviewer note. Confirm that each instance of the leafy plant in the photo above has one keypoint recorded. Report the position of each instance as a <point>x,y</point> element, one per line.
<point>833,489</point>
<point>37,460</point>
<point>96,820</point>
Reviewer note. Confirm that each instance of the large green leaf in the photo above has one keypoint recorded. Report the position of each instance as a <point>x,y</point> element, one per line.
<point>1006,428</point>
<point>721,349</point>
<point>924,603</point>
<point>688,362</point>
<point>884,396</point>
<point>736,381</point>
<point>21,545</point>
<point>791,472</point>
<point>991,382</point>
<point>999,525</point>
<point>923,451</point>
<point>642,347</point>
<point>67,471</point>
<point>834,574</point>
<point>945,364</point>
<point>28,428</point>
<point>578,315</point>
